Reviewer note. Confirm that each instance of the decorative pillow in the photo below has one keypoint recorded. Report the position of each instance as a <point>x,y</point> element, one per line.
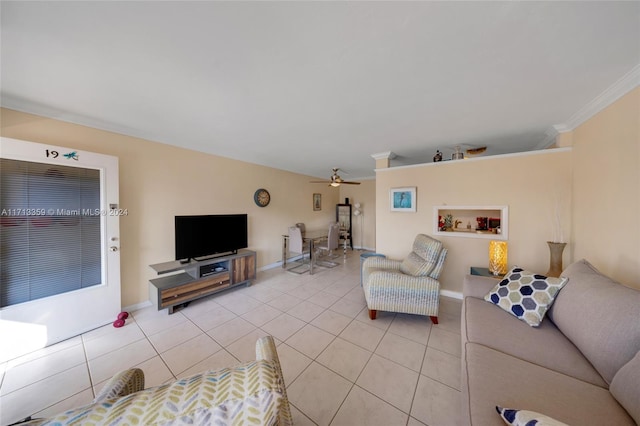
<point>526,418</point>
<point>526,295</point>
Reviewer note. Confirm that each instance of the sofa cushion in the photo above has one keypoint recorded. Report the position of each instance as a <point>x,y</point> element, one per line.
<point>525,295</point>
<point>625,387</point>
<point>494,378</point>
<point>599,316</point>
<point>526,418</point>
<point>545,345</point>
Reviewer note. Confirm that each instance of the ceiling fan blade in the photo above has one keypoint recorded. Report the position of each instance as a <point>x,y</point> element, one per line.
<point>335,180</point>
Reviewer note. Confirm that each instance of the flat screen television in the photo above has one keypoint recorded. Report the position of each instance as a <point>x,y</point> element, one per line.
<point>210,235</point>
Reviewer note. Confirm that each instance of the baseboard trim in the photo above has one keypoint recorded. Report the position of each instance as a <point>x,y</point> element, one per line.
<point>137,306</point>
<point>452,294</point>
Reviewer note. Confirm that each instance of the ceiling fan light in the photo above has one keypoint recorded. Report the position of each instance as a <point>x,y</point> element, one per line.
<point>335,184</point>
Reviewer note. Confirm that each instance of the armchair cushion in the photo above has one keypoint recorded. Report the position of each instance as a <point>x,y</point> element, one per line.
<point>415,265</point>
<point>424,257</point>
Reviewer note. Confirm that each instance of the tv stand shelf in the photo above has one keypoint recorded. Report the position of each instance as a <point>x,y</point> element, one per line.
<point>198,279</point>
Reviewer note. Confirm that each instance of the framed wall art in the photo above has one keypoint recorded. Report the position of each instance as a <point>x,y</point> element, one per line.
<point>317,202</point>
<point>403,199</point>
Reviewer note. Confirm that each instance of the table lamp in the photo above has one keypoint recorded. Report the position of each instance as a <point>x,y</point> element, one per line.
<point>498,257</point>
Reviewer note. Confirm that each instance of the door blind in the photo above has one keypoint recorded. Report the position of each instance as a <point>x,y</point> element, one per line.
<point>49,230</point>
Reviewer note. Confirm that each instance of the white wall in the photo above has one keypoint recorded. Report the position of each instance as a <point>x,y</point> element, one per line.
<point>606,190</point>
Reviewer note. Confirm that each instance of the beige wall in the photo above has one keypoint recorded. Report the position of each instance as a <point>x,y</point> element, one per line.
<point>606,190</point>
<point>159,181</point>
<point>364,227</point>
<point>529,184</point>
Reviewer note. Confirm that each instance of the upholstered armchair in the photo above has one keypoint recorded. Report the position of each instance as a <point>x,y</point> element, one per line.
<point>408,286</point>
<point>249,393</point>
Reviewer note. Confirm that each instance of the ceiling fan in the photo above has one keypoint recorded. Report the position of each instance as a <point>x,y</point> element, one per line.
<point>335,180</point>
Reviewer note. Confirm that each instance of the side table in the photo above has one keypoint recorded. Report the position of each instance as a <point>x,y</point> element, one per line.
<point>483,272</point>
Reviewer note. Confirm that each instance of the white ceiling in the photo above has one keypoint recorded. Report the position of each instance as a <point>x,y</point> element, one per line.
<point>307,86</point>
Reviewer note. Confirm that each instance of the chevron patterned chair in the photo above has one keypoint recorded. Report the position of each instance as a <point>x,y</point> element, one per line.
<point>409,286</point>
<point>249,393</point>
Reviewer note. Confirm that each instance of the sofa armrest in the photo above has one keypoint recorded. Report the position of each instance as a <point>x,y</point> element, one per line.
<point>477,286</point>
<point>122,384</point>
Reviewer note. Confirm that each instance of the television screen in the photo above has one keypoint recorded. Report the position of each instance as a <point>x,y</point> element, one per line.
<point>207,235</point>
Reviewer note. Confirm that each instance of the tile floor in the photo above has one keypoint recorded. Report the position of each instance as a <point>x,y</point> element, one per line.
<point>340,367</point>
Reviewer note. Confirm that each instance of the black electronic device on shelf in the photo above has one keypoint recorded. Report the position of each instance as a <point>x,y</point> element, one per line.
<point>201,236</point>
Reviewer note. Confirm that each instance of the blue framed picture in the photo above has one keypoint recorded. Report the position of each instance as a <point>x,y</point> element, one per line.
<point>403,199</point>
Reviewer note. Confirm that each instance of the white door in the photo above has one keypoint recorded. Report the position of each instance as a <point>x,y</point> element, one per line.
<point>59,244</point>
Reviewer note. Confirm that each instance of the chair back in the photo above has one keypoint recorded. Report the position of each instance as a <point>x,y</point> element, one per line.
<point>426,255</point>
<point>333,240</point>
<point>302,227</point>
<point>295,239</point>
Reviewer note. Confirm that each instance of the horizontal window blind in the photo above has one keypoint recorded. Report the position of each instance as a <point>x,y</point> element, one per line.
<point>49,230</point>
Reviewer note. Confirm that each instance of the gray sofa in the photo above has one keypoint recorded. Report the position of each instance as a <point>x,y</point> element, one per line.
<point>581,366</point>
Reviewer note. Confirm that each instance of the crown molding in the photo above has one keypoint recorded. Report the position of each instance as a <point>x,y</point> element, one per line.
<point>549,138</point>
<point>624,85</point>
<point>384,155</point>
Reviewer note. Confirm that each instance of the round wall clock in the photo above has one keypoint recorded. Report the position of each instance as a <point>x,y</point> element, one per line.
<point>262,197</point>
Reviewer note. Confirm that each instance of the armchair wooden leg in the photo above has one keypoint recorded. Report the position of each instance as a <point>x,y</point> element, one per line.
<point>434,320</point>
<point>372,314</point>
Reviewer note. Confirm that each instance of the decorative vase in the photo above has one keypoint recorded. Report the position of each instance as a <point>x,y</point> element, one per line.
<point>555,259</point>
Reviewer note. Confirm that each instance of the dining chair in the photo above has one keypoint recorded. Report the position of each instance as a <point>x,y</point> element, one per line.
<point>303,230</point>
<point>328,245</point>
<point>297,246</point>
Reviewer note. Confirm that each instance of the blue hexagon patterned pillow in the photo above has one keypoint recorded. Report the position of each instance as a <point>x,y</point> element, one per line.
<point>526,295</point>
<point>526,418</point>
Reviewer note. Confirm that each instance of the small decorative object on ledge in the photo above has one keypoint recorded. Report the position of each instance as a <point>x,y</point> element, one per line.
<point>457,155</point>
<point>481,223</point>
<point>476,151</point>
<point>448,223</point>
<point>555,260</point>
<point>437,157</point>
<point>498,257</point>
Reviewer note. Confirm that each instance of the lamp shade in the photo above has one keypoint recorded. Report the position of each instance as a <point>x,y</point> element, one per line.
<point>498,257</point>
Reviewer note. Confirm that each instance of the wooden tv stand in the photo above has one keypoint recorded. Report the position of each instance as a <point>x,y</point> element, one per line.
<point>198,279</point>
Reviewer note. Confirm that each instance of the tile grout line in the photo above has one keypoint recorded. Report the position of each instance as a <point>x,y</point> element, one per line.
<point>424,357</point>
